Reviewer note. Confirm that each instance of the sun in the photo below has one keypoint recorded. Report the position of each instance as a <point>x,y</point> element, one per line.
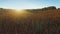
<point>18,11</point>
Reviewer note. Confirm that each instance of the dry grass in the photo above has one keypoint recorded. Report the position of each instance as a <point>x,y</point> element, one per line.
<point>43,22</point>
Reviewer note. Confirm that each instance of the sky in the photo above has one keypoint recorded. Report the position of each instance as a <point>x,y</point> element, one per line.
<point>28,4</point>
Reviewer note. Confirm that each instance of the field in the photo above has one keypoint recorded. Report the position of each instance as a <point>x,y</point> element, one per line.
<point>30,21</point>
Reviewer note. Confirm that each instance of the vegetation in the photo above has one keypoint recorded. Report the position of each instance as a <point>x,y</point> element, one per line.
<point>32,21</point>
<point>43,9</point>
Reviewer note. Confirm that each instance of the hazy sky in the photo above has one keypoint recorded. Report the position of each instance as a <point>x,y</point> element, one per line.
<point>24,4</point>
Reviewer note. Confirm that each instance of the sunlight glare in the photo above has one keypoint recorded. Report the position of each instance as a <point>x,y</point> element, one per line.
<point>19,11</point>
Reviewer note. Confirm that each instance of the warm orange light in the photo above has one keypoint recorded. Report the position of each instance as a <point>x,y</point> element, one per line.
<point>17,10</point>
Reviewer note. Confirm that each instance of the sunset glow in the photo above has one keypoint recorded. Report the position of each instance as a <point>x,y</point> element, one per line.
<point>19,11</point>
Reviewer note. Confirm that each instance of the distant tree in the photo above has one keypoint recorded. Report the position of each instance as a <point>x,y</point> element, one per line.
<point>43,9</point>
<point>52,7</point>
<point>49,8</point>
<point>1,9</point>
